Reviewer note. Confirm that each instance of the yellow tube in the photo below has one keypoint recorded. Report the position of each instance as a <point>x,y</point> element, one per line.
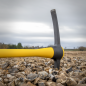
<point>43,52</point>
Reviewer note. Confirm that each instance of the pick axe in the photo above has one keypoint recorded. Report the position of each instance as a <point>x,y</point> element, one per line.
<point>56,52</point>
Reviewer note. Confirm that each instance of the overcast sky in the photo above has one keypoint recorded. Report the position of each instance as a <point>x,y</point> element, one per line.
<point>30,22</point>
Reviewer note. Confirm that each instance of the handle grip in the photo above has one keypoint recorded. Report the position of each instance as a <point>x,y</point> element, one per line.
<point>42,52</point>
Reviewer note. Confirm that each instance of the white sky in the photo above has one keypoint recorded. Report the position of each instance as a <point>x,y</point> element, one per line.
<point>30,22</point>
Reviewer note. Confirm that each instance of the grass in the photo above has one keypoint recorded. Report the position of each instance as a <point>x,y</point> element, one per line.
<point>71,50</point>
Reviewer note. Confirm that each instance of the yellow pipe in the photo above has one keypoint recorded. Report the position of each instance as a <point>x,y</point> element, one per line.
<point>42,52</point>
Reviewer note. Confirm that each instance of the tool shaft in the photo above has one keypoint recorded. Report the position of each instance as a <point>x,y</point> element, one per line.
<point>43,52</point>
<point>56,28</point>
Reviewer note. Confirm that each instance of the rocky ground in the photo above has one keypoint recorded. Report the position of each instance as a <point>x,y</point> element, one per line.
<point>36,71</point>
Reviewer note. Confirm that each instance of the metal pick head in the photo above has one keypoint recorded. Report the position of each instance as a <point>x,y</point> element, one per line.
<point>56,38</point>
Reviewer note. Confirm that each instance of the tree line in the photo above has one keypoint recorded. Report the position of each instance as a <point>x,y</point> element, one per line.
<point>19,46</point>
<point>11,46</point>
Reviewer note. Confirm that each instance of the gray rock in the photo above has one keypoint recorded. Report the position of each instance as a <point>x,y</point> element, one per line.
<point>38,69</point>
<point>81,59</point>
<point>69,59</point>
<point>83,81</point>
<point>6,80</point>
<point>62,76</point>
<point>1,80</point>
<point>83,64</point>
<point>1,84</point>
<point>4,66</point>
<point>18,82</point>
<point>32,77</point>
<point>22,79</point>
<point>13,70</point>
<point>27,71</point>
<point>20,74</point>
<point>9,75</point>
<point>76,79</point>
<point>65,65</point>
<point>81,67</point>
<point>41,83</point>
<point>11,83</point>
<point>69,70</point>
<point>54,79</point>
<point>33,65</point>
<point>46,63</point>
<point>78,67</point>
<point>4,76</point>
<point>81,85</point>
<point>43,75</point>
<point>12,78</point>
<point>13,74</point>
<point>59,84</point>
<point>77,70</point>
<point>36,80</point>
<point>50,70</point>
<point>21,68</point>
<point>83,73</point>
<point>29,84</point>
<point>55,73</point>
<point>63,82</point>
<point>28,65</point>
<point>16,66</point>
<point>51,76</point>
<point>71,82</point>
<point>50,83</point>
<point>59,80</point>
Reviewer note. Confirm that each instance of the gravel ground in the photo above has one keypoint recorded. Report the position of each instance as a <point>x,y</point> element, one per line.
<point>36,71</point>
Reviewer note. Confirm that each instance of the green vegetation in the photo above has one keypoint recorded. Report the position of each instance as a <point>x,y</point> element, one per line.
<point>3,46</point>
<point>71,50</point>
<point>11,46</point>
<point>81,48</point>
<point>19,46</point>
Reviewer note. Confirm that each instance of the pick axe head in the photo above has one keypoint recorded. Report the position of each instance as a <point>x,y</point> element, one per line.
<point>58,50</point>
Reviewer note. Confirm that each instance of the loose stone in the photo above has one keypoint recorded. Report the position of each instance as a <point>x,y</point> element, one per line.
<point>69,70</point>
<point>1,80</point>
<point>12,83</point>
<point>43,75</point>
<point>59,84</point>
<point>4,66</point>
<point>6,80</point>
<point>42,83</point>
<point>1,84</point>
<point>49,83</point>
<point>13,70</point>
<point>32,77</point>
<point>71,82</point>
